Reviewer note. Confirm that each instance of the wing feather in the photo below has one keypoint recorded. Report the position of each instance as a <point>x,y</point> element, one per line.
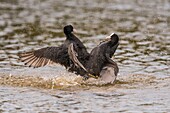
<point>41,57</point>
<point>73,56</point>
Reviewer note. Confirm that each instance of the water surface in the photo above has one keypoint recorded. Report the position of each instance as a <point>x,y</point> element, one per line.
<point>143,55</point>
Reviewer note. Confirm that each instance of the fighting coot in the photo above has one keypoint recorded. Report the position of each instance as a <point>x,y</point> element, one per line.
<point>100,62</point>
<point>44,56</point>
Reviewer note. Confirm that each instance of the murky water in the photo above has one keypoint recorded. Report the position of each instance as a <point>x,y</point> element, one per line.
<point>143,55</point>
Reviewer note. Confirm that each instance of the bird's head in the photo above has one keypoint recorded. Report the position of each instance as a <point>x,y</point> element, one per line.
<point>113,38</point>
<point>68,29</point>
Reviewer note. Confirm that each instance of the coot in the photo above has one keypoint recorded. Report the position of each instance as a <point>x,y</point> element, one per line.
<point>100,62</point>
<point>44,56</point>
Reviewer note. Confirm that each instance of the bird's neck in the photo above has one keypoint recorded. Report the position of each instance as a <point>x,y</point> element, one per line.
<point>70,35</point>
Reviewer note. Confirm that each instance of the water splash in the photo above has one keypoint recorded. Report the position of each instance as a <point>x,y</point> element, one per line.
<point>52,78</point>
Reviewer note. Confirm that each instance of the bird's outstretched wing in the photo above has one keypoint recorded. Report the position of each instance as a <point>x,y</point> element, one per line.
<point>73,56</point>
<point>41,57</point>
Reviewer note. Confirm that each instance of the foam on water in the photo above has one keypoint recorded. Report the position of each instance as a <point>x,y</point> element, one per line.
<point>58,78</point>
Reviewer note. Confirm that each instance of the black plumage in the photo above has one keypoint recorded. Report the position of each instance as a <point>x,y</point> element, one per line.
<point>73,55</point>
<point>100,58</point>
<point>101,55</point>
<point>58,54</point>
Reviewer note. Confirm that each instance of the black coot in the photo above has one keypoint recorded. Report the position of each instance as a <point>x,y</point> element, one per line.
<point>44,56</point>
<point>101,55</point>
<point>100,62</point>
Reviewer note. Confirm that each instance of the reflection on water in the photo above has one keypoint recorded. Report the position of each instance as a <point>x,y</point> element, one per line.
<point>143,55</point>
